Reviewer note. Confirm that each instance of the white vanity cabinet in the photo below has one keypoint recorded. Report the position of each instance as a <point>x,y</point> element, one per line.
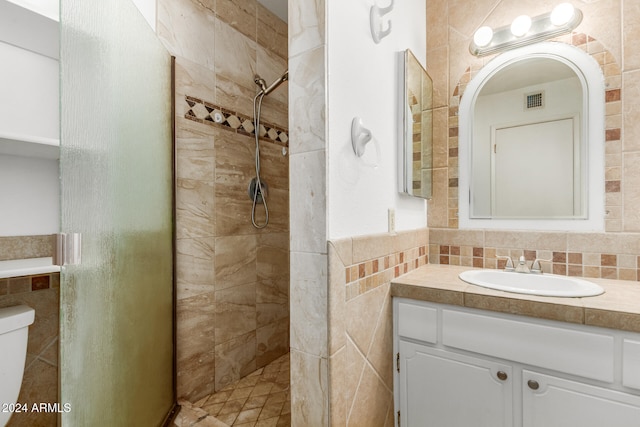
<point>461,367</point>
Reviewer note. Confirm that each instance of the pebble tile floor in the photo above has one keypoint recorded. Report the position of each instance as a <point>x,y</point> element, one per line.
<point>260,399</point>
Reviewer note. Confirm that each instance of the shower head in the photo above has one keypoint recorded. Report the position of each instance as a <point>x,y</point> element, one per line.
<point>267,90</point>
<point>260,82</point>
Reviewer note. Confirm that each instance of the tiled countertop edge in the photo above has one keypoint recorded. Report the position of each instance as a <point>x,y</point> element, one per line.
<point>618,308</point>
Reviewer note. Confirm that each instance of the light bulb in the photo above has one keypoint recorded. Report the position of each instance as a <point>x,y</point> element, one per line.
<point>521,25</point>
<point>562,14</point>
<point>483,36</point>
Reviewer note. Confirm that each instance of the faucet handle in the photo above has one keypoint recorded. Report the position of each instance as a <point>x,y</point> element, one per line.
<point>536,267</point>
<point>509,265</point>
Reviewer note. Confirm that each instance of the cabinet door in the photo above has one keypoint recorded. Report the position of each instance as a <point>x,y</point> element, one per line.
<point>554,402</point>
<point>440,388</point>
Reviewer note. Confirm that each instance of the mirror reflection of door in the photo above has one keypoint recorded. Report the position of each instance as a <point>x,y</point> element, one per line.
<point>526,148</point>
<point>533,170</point>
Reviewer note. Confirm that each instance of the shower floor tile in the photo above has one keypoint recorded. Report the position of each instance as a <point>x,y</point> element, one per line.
<point>261,399</point>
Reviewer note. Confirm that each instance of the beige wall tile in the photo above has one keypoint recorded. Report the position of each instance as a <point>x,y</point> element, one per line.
<point>526,240</point>
<point>308,202</point>
<point>337,380</point>
<point>235,312</point>
<point>382,343</point>
<point>443,236</point>
<point>631,111</point>
<point>306,25</point>
<point>309,390</point>
<point>182,26</point>
<point>440,137</point>
<point>337,296</point>
<point>371,402</point>
<point>195,209</point>
<point>195,266</point>
<point>239,14</point>
<point>233,96</point>
<point>307,86</point>
<point>438,69</point>
<point>195,151</point>
<point>272,342</point>
<point>235,261</point>
<point>235,55</point>
<point>308,303</point>
<point>272,32</point>
<point>437,207</point>
<point>21,247</point>
<point>372,246</point>
<point>235,359</point>
<point>195,80</point>
<point>195,351</point>
<point>364,312</point>
<point>631,34</point>
<point>631,192</point>
<point>437,22</point>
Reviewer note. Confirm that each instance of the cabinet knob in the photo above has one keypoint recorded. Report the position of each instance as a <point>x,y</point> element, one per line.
<point>502,376</point>
<point>533,385</point>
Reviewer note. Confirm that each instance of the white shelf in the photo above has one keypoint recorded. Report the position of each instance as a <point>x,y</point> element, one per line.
<point>27,267</point>
<point>29,146</point>
<point>29,30</point>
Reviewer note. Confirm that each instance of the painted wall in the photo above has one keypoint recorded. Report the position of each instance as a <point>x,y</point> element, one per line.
<point>363,81</point>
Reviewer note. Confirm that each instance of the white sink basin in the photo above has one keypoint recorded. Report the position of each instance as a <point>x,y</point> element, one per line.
<point>549,285</point>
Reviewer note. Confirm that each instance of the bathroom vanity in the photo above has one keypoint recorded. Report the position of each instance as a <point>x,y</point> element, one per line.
<point>470,356</point>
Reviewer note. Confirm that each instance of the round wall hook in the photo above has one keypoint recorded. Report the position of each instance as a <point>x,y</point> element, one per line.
<point>360,136</point>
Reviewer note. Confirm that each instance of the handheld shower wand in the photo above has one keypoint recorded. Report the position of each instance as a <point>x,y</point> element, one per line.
<point>257,189</point>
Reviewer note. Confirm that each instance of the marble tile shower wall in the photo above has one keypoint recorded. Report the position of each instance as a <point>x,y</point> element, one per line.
<point>233,280</point>
<point>308,209</point>
<point>41,292</point>
<point>608,33</point>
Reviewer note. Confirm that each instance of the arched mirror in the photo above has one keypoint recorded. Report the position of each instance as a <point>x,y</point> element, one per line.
<point>531,142</point>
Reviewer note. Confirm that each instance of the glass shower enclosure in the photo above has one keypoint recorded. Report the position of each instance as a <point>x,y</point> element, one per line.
<point>116,338</point>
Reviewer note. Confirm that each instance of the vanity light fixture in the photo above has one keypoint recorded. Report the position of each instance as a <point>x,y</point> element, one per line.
<point>483,36</point>
<point>521,25</point>
<point>526,30</point>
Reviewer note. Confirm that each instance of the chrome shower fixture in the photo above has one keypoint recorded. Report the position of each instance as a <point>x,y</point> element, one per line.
<point>266,90</point>
<point>260,82</point>
<point>257,188</point>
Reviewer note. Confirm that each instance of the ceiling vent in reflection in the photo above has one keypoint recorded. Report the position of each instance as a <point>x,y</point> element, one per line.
<point>534,100</point>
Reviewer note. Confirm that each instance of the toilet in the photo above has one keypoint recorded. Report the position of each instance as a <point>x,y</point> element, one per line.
<point>14,329</point>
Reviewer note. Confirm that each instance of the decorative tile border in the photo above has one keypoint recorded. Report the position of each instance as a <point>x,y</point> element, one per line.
<point>365,276</point>
<point>207,113</point>
<point>18,285</point>
<point>579,264</point>
<point>613,145</point>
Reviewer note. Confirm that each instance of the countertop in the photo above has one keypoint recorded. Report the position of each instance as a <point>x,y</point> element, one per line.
<point>617,308</point>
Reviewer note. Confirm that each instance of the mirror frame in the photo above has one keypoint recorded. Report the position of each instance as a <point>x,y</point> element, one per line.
<point>406,139</point>
<point>592,134</point>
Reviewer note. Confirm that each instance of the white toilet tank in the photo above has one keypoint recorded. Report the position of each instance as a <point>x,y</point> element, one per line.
<point>14,329</point>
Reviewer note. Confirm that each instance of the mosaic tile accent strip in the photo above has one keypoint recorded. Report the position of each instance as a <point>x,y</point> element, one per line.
<point>18,285</point>
<point>613,145</point>
<point>207,113</point>
<point>368,275</point>
<point>579,264</point>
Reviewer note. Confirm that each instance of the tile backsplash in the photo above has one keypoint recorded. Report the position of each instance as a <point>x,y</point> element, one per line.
<point>592,255</point>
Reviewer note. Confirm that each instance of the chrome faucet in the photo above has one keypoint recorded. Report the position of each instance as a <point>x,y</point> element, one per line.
<point>509,265</point>
<point>522,267</point>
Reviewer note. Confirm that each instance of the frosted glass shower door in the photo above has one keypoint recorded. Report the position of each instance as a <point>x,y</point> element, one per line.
<point>116,339</point>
